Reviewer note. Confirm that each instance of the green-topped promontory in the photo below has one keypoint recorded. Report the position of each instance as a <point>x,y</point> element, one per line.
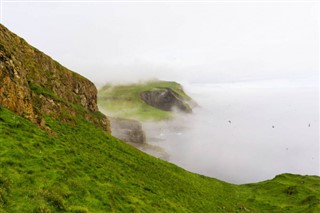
<point>152,100</point>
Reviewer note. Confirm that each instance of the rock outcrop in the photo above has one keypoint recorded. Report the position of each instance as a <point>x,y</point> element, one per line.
<point>34,85</point>
<point>128,130</point>
<point>165,99</point>
<point>131,132</point>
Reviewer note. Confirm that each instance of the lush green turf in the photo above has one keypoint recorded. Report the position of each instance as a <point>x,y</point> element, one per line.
<point>83,169</point>
<point>292,193</point>
<point>124,100</point>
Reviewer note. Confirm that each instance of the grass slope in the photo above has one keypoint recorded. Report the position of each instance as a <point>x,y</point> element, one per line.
<point>124,100</point>
<point>84,169</point>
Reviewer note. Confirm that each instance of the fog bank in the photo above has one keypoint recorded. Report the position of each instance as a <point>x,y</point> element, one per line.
<point>191,41</point>
<point>245,132</point>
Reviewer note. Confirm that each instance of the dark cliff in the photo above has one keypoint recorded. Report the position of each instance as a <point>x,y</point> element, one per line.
<point>165,99</point>
<point>128,130</point>
<point>34,86</point>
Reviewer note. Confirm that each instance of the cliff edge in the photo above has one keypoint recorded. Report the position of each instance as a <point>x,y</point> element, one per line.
<point>34,86</point>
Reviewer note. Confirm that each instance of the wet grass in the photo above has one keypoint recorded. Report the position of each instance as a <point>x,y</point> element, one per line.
<point>84,169</point>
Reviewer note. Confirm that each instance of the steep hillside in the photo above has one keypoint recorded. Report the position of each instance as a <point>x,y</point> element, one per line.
<point>81,168</point>
<point>153,100</point>
<point>33,85</point>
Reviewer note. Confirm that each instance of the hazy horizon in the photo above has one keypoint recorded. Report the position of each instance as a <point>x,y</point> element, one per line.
<point>182,41</point>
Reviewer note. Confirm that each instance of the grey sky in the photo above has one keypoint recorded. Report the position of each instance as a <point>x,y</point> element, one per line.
<point>195,42</point>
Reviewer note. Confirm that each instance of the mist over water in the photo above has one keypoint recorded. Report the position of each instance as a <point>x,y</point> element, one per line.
<point>245,132</point>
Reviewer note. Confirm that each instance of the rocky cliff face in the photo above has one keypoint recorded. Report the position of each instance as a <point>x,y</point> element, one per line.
<point>165,99</point>
<point>128,130</point>
<point>34,85</point>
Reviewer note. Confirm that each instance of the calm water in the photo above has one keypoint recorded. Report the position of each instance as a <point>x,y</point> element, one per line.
<point>245,132</point>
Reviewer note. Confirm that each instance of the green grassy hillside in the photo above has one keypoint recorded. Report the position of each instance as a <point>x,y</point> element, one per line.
<point>84,169</point>
<point>124,100</point>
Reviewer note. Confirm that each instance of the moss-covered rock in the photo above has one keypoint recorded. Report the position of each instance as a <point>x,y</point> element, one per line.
<point>33,85</point>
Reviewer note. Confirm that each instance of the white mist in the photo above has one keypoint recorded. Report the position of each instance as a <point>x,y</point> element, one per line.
<point>245,132</point>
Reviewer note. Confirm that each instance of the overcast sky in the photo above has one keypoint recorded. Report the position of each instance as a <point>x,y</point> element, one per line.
<point>194,42</point>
